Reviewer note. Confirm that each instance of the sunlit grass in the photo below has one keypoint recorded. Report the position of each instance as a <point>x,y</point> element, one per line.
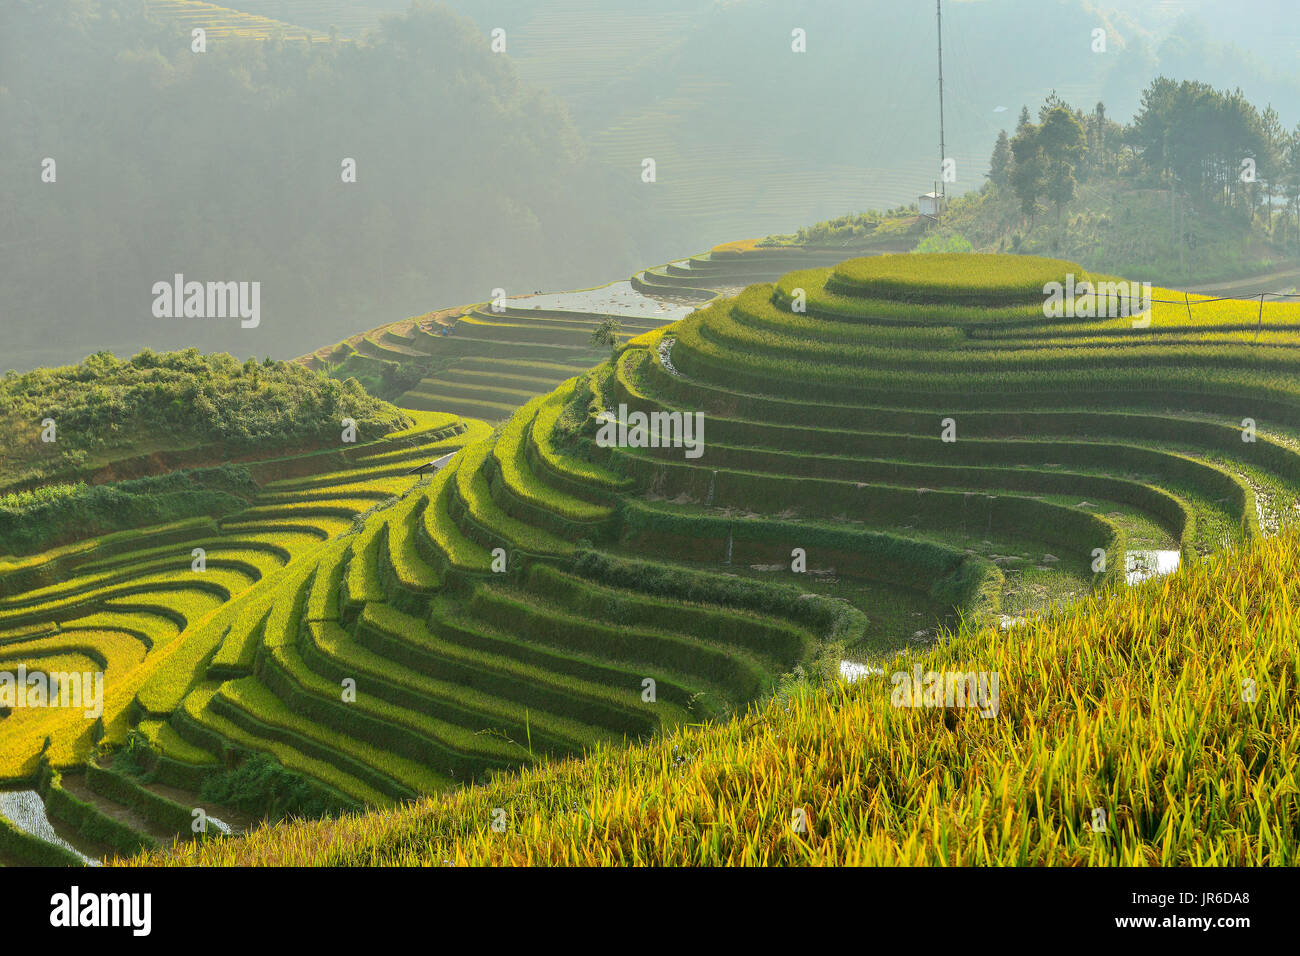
<point>1171,708</point>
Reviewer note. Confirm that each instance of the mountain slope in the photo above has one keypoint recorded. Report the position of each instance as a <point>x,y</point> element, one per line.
<point>1157,727</point>
<point>466,178</point>
<point>561,584</point>
<point>804,479</point>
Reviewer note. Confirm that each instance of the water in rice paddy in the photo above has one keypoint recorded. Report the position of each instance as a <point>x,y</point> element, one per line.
<point>856,670</point>
<point>26,811</point>
<point>1140,566</point>
<point>617,298</point>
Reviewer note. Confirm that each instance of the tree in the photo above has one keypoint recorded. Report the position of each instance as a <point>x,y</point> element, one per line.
<point>1053,102</point>
<point>1029,171</point>
<point>1149,131</point>
<point>1061,142</point>
<point>1105,137</point>
<point>1002,162</point>
<point>1024,122</point>
<point>944,241</point>
<point>1291,178</point>
<point>606,332</point>
<point>1205,140</point>
<point>1271,161</point>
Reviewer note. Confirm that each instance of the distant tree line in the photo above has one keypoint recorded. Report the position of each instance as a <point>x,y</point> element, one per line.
<point>1211,145</point>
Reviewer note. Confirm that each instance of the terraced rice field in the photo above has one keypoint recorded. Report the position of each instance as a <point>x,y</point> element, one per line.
<point>1191,775</point>
<point>134,607</point>
<point>517,604</point>
<point>458,671</point>
<point>504,358</point>
<point>480,631</point>
<point>225,23</point>
<point>479,363</point>
<point>905,451</point>
<point>350,17</point>
<point>1074,440</point>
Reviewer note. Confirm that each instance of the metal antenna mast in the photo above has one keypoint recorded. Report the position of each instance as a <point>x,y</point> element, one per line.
<point>943,152</point>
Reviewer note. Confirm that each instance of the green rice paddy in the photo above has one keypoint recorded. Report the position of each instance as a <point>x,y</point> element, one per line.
<point>867,480</point>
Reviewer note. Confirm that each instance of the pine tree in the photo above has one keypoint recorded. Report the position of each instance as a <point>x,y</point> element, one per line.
<point>1028,174</point>
<point>606,333</point>
<point>1024,122</point>
<point>1002,162</point>
<point>1062,142</point>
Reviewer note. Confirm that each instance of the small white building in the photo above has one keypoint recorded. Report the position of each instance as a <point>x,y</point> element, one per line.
<point>930,204</point>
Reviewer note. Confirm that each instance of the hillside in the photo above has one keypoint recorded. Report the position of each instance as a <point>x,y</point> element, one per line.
<point>1198,771</point>
<point>549,195</point>
<point>106,418</point>
<point>166,603</point>
<point>792,483</point>
<point>694,84</point>
<point>810,479</point>
<point>336,204</point>
<point>1136,232</point>
<point>1166,198</point>
<point>1111,225</point>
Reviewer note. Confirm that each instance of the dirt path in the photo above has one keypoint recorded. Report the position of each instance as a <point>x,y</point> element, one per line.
<point>75,784</point>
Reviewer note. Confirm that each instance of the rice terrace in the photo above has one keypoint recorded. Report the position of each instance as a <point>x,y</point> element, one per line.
<point>960,534</point>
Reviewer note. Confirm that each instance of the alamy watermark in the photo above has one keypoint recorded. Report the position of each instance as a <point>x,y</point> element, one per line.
<point>208,300</point>
<point>978,689</point>
<point>1100,300</point>
<point>653,430</point>
<point>53,689</point>
<point>133,911</point>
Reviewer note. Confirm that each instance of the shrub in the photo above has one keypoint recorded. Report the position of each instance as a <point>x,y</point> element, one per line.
<point>261,786</point>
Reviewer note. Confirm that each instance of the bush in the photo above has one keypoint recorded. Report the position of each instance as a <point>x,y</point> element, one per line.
<point>260,786</point>
<point>33,521</point>
<point>106,405</point>
<point>944,240</point>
